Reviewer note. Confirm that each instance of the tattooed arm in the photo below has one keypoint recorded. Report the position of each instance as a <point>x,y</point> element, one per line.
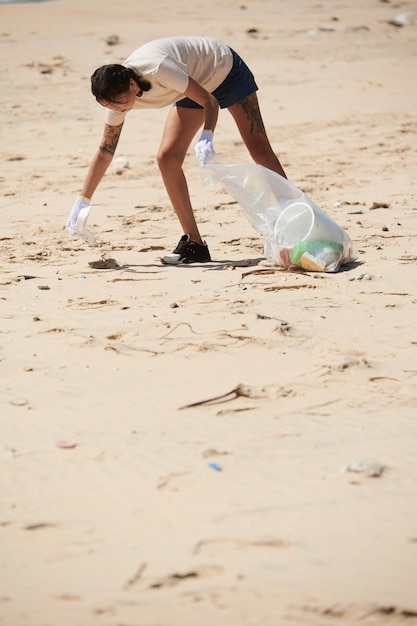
<point>101,159</point>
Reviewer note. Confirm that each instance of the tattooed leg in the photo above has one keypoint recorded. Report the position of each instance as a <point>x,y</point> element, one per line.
<point>250,107</point>
<point>247,116</point>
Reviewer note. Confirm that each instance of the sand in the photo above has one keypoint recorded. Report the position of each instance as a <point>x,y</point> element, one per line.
<point>242,444</point>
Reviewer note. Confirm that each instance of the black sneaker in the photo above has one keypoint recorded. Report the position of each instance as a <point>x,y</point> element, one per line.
<point>187,251</point>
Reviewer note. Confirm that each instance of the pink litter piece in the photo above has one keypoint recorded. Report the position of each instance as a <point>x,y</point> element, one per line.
<point>66,444</point>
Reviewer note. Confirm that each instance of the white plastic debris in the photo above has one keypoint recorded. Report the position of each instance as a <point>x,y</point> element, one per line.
<point>362,466</point>
<point>365,276</point>
<point>121,163</point>
<point>403,19</point>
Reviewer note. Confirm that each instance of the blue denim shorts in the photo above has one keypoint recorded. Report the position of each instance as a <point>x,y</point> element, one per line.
<point>238,84</point>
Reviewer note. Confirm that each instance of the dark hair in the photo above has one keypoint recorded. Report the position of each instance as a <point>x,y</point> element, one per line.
<point>109,82</point>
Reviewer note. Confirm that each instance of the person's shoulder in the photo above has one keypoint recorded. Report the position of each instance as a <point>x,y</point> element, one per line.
<point>147,55</point>
<point>151,46</point>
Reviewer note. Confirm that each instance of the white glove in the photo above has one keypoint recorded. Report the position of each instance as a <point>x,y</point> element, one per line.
<point>204,148</point>
<point>77,220</point>
<point>78,216</point>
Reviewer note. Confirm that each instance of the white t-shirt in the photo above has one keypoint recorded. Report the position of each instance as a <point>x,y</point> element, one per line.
<point>168,64</point>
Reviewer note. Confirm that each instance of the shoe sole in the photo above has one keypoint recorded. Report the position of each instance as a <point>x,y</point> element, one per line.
<point>171,259</point>
<point>175,259</point>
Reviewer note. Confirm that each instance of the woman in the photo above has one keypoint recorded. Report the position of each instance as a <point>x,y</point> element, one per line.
<point>198,75</point>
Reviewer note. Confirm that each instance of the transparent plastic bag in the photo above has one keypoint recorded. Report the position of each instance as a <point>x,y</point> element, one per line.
<point>297,233</point>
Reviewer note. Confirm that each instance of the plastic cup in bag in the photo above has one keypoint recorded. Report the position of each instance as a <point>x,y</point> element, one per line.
<point>300,221</point>
<point>310,238</point>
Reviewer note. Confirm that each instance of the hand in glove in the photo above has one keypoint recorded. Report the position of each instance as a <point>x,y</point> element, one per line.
<point>204,148</point>
<point>78,216</point>
<point>77,220</point>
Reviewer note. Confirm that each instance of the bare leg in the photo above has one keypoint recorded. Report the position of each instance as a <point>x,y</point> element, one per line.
<point>180,127</point>
<point>248,118</point>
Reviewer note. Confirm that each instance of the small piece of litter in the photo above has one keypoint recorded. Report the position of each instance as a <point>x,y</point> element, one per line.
<point>66,445</point>
<point>88,237</point>
<point>43,287</point>
<point>121,163</point>
<point>360,466</point>
<point>112,40</point>
<point>366,276</point>
<point>402,19</point>
<point>215,466</point>
<point>18,402</point>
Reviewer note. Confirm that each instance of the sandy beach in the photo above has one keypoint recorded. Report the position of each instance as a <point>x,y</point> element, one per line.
<point>223,443</point>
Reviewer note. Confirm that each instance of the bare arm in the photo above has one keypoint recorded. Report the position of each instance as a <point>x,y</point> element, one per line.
<point>197,93</point>
<point>101,159</point>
